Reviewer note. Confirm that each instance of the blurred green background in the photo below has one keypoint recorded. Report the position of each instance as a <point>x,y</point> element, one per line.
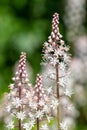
<point>25,26</point>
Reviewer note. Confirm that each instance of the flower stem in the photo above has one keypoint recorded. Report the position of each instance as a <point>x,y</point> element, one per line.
<point>19,121</point>
<point>37,120</point>
<point>58,96</point>
<point>19,124</point>
<point>37,123</point>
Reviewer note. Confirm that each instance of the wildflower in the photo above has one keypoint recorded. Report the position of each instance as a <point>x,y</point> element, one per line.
<point>10,125</point>
<point>16,102</point>
<point>56,56</point>
<point>54,104</point>
<point>70,107</point>
<point>11,86</point>
<point>46,108</point>
<point>26,126</point>
<point>49,118</point>
<point>49,90</point>
<point>39,96</point>
<point>19,96</point>
<point>8,108</point>
<point>21,115</point>
<point>44,127</point>
<point>55,50</point>
<point>68,92</point>
<point>39,114</point>
<point>29,126</point>
<point>63,126</point>
<point>66,123</point>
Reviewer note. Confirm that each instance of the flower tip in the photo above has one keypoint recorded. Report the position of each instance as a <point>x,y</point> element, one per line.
<point>23,53</point>
<point>56,14</point>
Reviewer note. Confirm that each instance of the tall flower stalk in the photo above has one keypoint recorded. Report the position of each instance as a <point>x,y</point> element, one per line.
<point>28,105</point>
<point>17,98</point>
<point>44,105</point>
<point>55,54</point>
<point>38,95</point>
<point>58,95</point>
<point>20,76</point>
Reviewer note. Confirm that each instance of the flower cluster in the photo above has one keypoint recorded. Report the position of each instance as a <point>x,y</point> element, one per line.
<point>35,106</point>
<point>17,98</point>
<point>45,103</point>
<point>55,50</point>
<point>57,73</point>
<point>25,103</point>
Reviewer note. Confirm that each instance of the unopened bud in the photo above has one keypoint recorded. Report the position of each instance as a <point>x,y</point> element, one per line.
<point>26,80</point>
<point>35,98</point>
<point>11,86</point>
<point>19,84</point>
<point>23,91</point>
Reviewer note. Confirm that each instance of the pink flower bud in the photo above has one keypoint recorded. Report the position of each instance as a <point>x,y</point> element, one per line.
<point>19,84</point>
<point>23,91</point>
<point>35,98</point>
